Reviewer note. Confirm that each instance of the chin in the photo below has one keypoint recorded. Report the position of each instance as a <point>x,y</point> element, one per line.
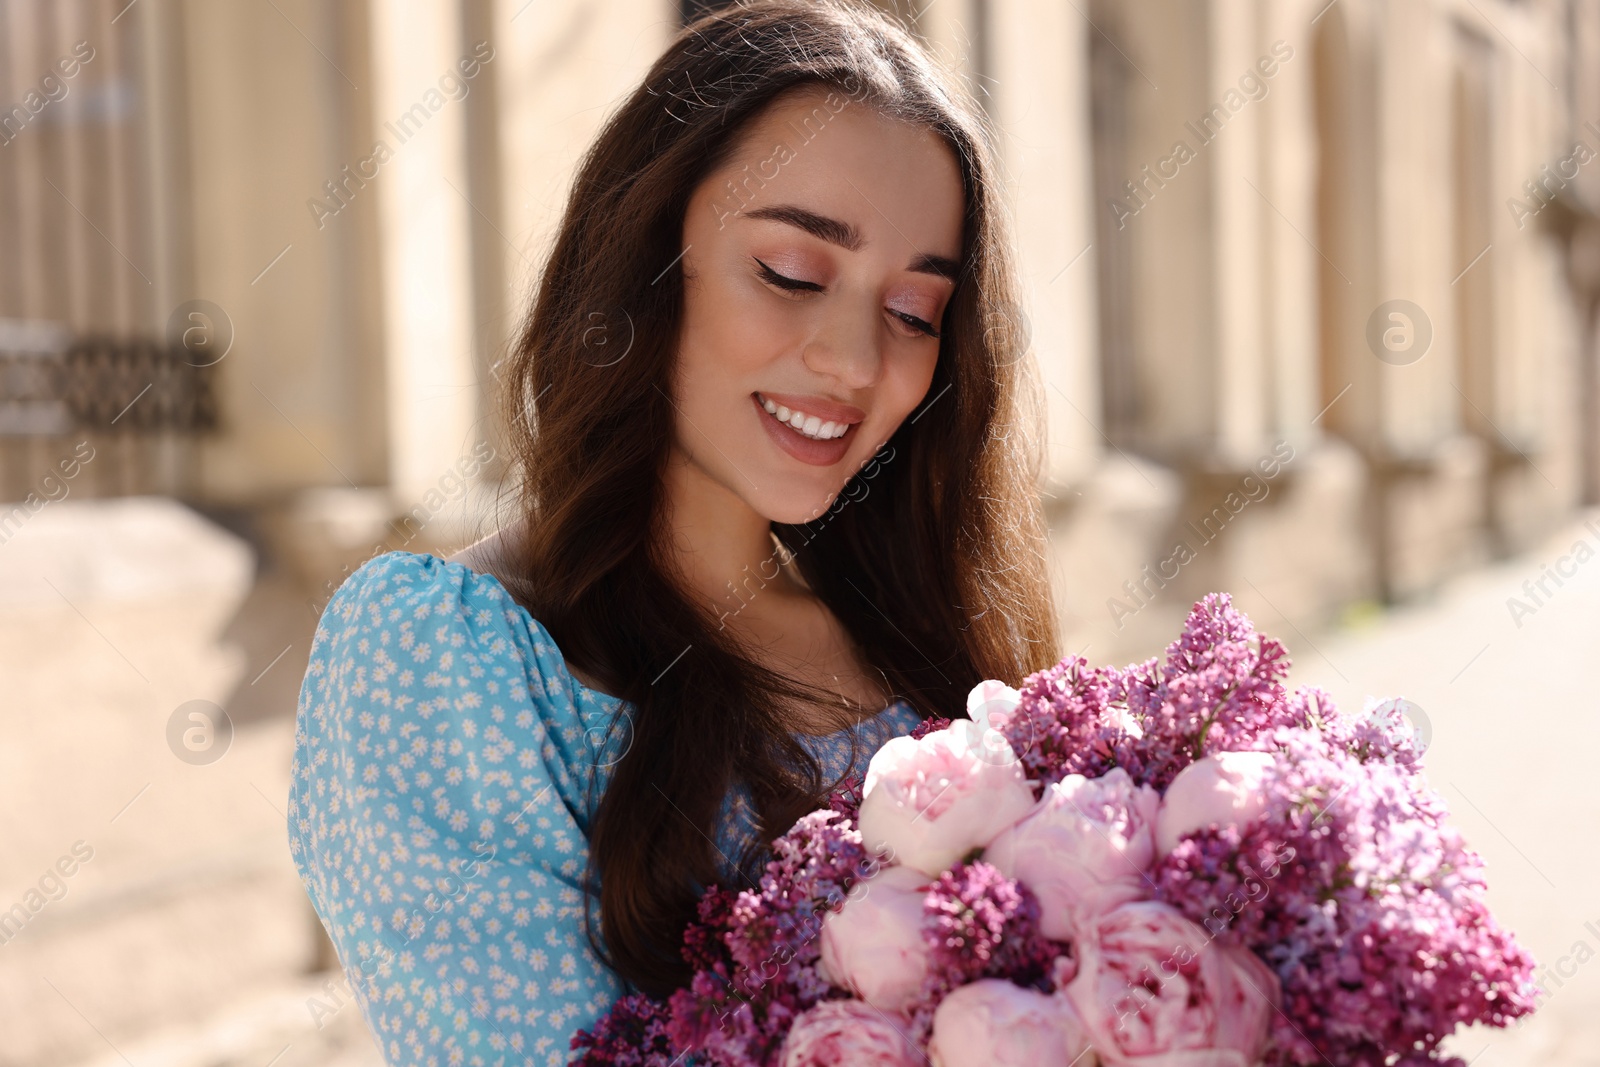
<point>796,516</point>
<point>808,508</point>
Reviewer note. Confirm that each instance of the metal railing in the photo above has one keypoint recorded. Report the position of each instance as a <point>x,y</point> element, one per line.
<point>138,404</point>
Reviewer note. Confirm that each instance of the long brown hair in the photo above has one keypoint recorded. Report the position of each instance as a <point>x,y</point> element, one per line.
<point>932,558</point>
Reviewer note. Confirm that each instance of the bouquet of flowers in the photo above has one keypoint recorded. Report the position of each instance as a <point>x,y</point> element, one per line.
<point>1173,864</point>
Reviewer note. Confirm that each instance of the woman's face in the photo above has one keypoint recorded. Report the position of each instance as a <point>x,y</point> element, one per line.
<point>816,274</point>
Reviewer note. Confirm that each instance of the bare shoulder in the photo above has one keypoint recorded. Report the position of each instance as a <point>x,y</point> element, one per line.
<point>476,556</point>
<point>486,553</point>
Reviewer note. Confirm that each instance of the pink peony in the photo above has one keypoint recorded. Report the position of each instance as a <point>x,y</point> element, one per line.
<point>991,702</point>
<point>873,946</point>
<point>993,1023</point>
<point>1223,789</point>
<point>838,1032</point>
<point>1083,850</point>
<point>1155,991</point>
<point>931,800</point>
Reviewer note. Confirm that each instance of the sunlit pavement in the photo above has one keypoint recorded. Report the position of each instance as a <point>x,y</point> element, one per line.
<point>186,939</point>
<point>1509,697</point>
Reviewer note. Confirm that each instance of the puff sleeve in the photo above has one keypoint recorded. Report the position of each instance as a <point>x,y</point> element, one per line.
<point>443,778</point>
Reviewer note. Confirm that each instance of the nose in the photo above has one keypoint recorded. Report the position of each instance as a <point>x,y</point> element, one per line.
<point>847,347</point>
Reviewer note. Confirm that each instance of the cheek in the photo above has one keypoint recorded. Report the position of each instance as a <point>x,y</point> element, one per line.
<point>908,380</point>
<point>731,330</point>
<point>902,393</point>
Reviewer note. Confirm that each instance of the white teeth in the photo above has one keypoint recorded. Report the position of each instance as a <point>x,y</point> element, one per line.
<point>827,431</point>
<point>810,425</point>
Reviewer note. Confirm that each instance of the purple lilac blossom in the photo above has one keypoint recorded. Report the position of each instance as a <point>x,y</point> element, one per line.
<point>980,924</point>
<point>1366,903</point>
<point>747,992</point>
<point>632,1034</point>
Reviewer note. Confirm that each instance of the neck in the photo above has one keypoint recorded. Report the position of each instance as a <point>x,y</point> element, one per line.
<point>723,549</point>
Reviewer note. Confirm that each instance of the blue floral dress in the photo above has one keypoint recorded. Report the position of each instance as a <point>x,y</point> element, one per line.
<point>439,809</point>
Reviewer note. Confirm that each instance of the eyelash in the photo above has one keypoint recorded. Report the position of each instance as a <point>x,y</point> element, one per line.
<point>794,285</point>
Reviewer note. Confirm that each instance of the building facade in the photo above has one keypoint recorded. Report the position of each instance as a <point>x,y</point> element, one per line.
<point>1311,285</point>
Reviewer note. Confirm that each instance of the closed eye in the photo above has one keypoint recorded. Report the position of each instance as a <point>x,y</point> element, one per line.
<point>795,285</point>
<point>918,324</point>
<point>784,282</point>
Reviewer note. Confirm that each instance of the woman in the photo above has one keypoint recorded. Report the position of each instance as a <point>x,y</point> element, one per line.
<point>776,505</point>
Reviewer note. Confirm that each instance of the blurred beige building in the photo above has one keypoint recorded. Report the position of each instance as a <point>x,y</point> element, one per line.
<point>1311,284</point>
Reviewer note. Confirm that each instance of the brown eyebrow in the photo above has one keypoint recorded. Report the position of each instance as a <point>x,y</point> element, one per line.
<point>847,236</point>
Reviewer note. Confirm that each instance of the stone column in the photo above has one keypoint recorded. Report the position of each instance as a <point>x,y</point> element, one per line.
<point>417,49</point>
<point>1038,95</point>
<point>1240,217</point>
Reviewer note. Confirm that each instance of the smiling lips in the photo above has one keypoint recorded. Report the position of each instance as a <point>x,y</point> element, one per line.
<point>813,416</point>
<point>813,430</point>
